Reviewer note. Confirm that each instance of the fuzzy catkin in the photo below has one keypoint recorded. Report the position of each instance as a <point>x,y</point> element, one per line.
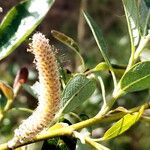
<point>49,92</point>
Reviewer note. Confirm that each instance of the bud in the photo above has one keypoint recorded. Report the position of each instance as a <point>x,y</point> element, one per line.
<point>21,78</point>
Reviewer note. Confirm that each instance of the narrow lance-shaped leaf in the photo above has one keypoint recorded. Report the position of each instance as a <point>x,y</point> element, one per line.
<point>70,43</point>
<point>100,42</point>
<point>65,39</point>
<point>131,13</point>
<point>122,125</point>
<point>98,37</point>
<point>144,11</point>
<point>76,92</point>
<point>137,78</point>
<point>20,22</point>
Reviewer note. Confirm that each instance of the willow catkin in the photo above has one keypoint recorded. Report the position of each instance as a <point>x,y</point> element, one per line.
<point>49,92</point>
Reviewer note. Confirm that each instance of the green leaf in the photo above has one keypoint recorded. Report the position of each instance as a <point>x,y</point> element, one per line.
<point>65,39</point>
<point>95,145</point>
<point>101,66</point>
<point>20,22</point>
<point>123,124</point>
<point>131,13</point>
<point>77,90</point>
<point>118,69</point>
<point>98,37</point>
<point>137,78</point>
<point>100,42</point>
<point>144,17</point>
<point>70,43</point>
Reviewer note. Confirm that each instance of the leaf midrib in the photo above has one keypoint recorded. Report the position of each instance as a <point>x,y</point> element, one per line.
<point>74,95</point>
<point>135,82</point>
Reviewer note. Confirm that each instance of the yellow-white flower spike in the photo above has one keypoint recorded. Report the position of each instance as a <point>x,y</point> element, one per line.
<point>49,96</point>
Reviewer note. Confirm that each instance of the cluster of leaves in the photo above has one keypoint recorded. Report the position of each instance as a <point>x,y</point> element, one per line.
<point>22,20</point>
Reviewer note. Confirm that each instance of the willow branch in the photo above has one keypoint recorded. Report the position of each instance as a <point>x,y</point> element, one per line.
<point>68,131</point>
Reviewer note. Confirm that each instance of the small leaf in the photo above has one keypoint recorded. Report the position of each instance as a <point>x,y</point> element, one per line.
<point>144,17</point>
<point>76,92</point>
<point>101,66</point>
<point>7,90</point>
<point>123,124</point>
<point>137,78</point>
<point>118,69</point>
<point>131,13</point>
<point>20,22</point>
<point>96,146</point>
<point>70,43</point>
<point>98,37</point>
<point>65,39</point>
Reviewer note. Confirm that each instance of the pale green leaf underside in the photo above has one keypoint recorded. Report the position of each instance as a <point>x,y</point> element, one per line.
<point>77,90</point>
<point>144,17</point>
<point>98,37</point>
<point>137,78</point>
<point>131,13</point>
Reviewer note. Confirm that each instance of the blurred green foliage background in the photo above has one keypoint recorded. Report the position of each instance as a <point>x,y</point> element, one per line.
<point>66,16</point>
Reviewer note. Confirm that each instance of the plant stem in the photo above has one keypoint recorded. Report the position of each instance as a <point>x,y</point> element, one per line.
<point>94,144</point>
<point>114,78</point>
<point>106,107</point>
<point>131,60</point>
<point>135,54</point>
<point>102,89</point>
<point>23,109</point>
<point>69,130</point>
<point>8,105</point>
<point>141,46</point>
<point>6,108</point>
